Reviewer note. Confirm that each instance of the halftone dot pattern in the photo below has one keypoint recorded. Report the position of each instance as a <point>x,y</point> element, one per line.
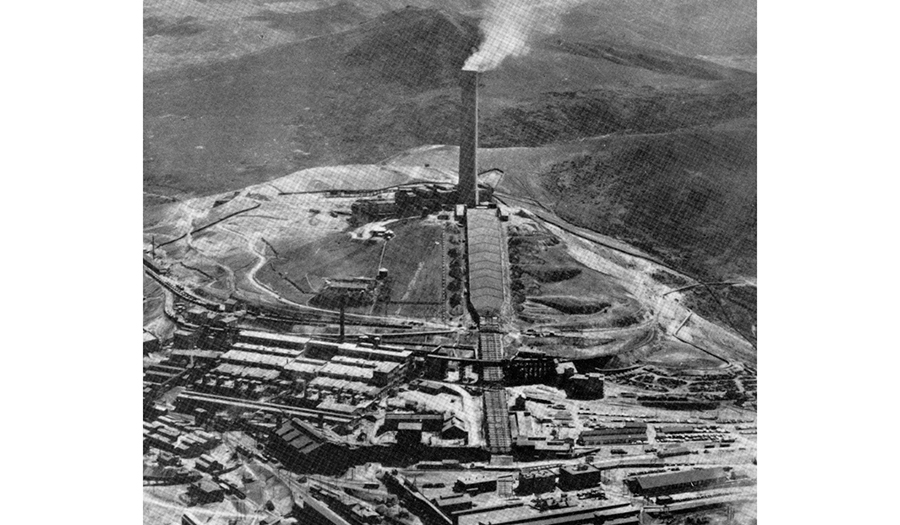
<point>620,138</point>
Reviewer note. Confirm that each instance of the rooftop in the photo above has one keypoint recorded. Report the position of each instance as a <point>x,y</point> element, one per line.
<point>679,478</point>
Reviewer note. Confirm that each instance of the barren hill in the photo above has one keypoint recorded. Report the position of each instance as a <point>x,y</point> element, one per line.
<point>614,121</point>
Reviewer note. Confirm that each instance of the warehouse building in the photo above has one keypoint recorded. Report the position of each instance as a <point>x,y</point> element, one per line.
<point>454,428</point>
<point>342,386</point>
<point>476,484</point>
<point>585,386</point>
<point>450,503</point>
<point>205,491</point>
<point>485,263</point>
<point>673,482</point>
<point>430,422</point>
<point>296,441</point>
<point>630,433</point>
<point>577,477</point>
<point>328,350</point>
<point>273,340</point>
<point>543,446</point>
<point>536,481</point>
<point>304,368</point>
<point>409,435</point>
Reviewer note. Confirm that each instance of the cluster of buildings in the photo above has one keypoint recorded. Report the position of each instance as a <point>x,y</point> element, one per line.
<point>325,375</point>
<point>177,438</point>
<point>411,426</point>
<point>409,201</point>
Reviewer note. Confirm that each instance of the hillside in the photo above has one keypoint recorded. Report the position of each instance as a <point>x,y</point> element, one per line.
<point>688,197</point>
<point>358,82</point>
<point>614,121</point>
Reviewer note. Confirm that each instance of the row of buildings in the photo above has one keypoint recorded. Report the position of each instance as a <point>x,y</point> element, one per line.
<point>301,371</point>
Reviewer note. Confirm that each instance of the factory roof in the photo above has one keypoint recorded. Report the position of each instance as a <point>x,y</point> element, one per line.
<point>410,426</point>
<point>337,407</point>
<point>453,500</point>
<point>679,478</point>
<point>200,354</point>
<point>380,366</point>
<point>304,367</point>
<point>290,338</point>
<point>264,349</point>
<point>405,416</point>
<point>246,371</point>
<point>485,261</point>
<point>343,385</point>
<point>339,369</point>
<point>255,358</point>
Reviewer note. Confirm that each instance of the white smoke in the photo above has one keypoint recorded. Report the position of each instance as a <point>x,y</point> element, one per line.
<point>508,25</point>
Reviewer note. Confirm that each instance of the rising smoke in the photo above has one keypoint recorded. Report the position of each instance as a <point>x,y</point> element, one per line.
<point>509,25</point>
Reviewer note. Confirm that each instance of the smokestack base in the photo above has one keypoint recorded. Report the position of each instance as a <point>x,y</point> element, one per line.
<point>467,188</point>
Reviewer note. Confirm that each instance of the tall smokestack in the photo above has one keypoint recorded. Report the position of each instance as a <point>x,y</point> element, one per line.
<point>468,140</point>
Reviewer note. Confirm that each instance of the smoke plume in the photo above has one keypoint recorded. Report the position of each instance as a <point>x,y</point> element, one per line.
<point>508,25</point>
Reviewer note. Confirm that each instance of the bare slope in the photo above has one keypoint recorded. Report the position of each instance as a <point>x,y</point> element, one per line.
<point>355,83</point>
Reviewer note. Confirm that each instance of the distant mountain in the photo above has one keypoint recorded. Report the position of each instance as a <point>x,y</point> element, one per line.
<point>420,48</point>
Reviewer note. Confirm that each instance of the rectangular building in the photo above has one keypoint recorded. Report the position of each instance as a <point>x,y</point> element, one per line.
<point>577,477</point>
<point>430,422</point>
<point>476,484</point>
<point>536,481</point>
<point>674,482</point>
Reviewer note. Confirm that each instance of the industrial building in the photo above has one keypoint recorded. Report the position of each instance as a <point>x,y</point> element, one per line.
<point>585,386</point>
<point>450,503</point>
<point>496,421</point>
<point>542,446</point>
<point>205,491</point>
<point>578,477</point>
<point>536,481</point>
<point>454,428</point>
<point>298,441</point>
<point>476,484</point>
<point>630,433</point>
<point>485,263</point>
<point>674,482</point>
<point>409,434</point>
<point>208,464</point>
<point>429,422</point>
<point>529,368</point>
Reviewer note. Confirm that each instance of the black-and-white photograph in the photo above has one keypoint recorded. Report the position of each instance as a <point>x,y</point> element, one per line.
<point>449,262</point>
